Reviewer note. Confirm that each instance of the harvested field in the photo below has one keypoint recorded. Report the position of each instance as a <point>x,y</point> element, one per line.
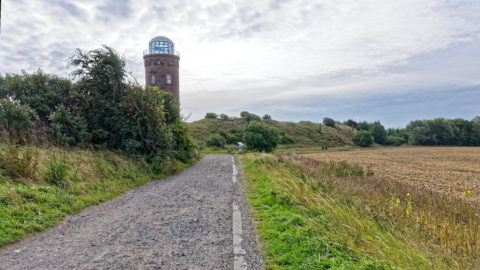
<point>433,168</point>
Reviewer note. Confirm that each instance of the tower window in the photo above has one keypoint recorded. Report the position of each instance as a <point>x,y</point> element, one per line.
<point>168,79</point>
<point>152,79</point>
<point>158,62</point>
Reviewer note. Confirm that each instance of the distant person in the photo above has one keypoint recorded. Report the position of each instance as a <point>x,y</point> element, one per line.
<point>326,147</point>
<point>323,148</point>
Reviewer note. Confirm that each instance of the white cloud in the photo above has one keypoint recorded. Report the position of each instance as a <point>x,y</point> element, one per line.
<point>233,52</point>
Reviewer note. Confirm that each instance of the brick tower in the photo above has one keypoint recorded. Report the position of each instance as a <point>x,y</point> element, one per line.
<point>161,65</point>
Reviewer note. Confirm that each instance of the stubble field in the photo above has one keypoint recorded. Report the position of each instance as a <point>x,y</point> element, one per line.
<point>432,168</point>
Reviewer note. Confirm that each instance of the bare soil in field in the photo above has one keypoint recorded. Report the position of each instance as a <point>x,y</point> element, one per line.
<point>433,168</point>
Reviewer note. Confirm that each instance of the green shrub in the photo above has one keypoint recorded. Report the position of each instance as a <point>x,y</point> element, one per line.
<point>329,122</point>
<point>67,129</point>
<point>211,115</point>
<point>379,133</point>
<point>57,172</point>
<point>216,140</point>
<point>266,117</point>
<point>250,116</point>
<point>224,117</point>
<point>17,121</point>
<point>394,140</point>
<point>363,138</point>
<point>18,163</point>
<point>260,137</point>
<point>286,139</point>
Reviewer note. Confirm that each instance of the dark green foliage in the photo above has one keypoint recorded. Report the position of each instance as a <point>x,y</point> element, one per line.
<point>363,138</point>
<point>67,129</point>
<point>351,123</point>
<point>40,91</point>
<point>211,115</point>
<point>16,121</point>
<point>329,122</point>
<point>267,117</point>
<point>224,117</point>
<point>418,133</point>
<point>216,140</point>
<point>396,141</point>
<point>260,137</point>
<point>364,125</point>
<point>100,109</point>
<point>379,133</point>
<point>286,139</point>
<point>250,116</point>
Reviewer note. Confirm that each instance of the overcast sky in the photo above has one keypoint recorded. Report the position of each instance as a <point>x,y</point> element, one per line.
<point>387,60</point>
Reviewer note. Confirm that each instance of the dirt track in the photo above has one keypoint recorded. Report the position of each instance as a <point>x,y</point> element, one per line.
<point>182,222</point>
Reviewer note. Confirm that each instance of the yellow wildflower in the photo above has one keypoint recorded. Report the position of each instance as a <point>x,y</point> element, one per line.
<point>464,193</point>
<point>469,192</point>
<point>449,189</point>
<point>398,200</point>
<point>408,194</point>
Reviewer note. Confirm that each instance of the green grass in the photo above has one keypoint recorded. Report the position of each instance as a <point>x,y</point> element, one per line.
<point>305,224</point>
<point>78,178</point>
<point>304,133</point>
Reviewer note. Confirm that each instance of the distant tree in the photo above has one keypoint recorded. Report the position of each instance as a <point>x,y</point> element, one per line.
<point>250,116</point>
<point>216,140</point>
<point>286,139</point>
<point>351,123</point>
<point>476,131</point>
<point>224,117</point>
<point>260,137</point>
<point>244,114</point>
<point>441,132</point>
<point>418,133</point>
<point>364,125</point>
<point>211,115</point>
<point>266,117</point>
<point>363,138</point>
<point>379,133</point>
<point>329,122</point>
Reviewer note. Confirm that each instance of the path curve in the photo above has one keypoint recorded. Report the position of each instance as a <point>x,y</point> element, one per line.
<point>182,222</point>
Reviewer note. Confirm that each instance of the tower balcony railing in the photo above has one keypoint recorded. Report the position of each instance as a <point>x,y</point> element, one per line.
<point>176,53</point>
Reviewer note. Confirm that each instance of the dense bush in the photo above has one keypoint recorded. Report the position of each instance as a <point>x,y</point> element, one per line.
<point>18,163</point>
<point>16,121</point>
<point>266,117</point>
<point>250,116</point>
<point>363,138</point>
<point>211,115</point>
<point>216,140</point>
<point>379,133</point>
<point>350,123</point>
<point>394,140</point>
<point>329,122</point>
<point>224,117</point>
<point>260,137</point>
<point>101,108</point>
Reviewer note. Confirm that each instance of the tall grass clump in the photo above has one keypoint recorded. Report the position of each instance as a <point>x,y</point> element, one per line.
<point>18,163</point>
<point>442,222</point>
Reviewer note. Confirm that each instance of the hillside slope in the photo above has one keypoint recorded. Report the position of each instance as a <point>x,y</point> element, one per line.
<point>304,133</point>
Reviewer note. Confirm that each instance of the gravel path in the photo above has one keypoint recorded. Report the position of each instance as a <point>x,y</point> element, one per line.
<point>182,222</point>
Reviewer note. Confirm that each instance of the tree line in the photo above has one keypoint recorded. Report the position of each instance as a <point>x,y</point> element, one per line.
<point>99,108</point>
<point>439,131</point>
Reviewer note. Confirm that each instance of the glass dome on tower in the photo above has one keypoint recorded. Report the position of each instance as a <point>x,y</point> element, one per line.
<point>161,45</point>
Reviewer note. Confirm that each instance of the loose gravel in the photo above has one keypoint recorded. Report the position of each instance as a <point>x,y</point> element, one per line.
<point>181,222</point>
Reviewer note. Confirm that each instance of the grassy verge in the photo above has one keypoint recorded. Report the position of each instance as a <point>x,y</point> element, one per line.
<point>306,222</point>
<point>40,186</point>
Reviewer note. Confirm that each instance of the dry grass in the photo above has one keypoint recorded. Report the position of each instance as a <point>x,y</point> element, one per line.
<point>409,192</point>
<point>433,168</point>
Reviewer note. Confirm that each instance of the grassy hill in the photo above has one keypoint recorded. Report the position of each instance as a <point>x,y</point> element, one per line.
<point>304,133</point>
